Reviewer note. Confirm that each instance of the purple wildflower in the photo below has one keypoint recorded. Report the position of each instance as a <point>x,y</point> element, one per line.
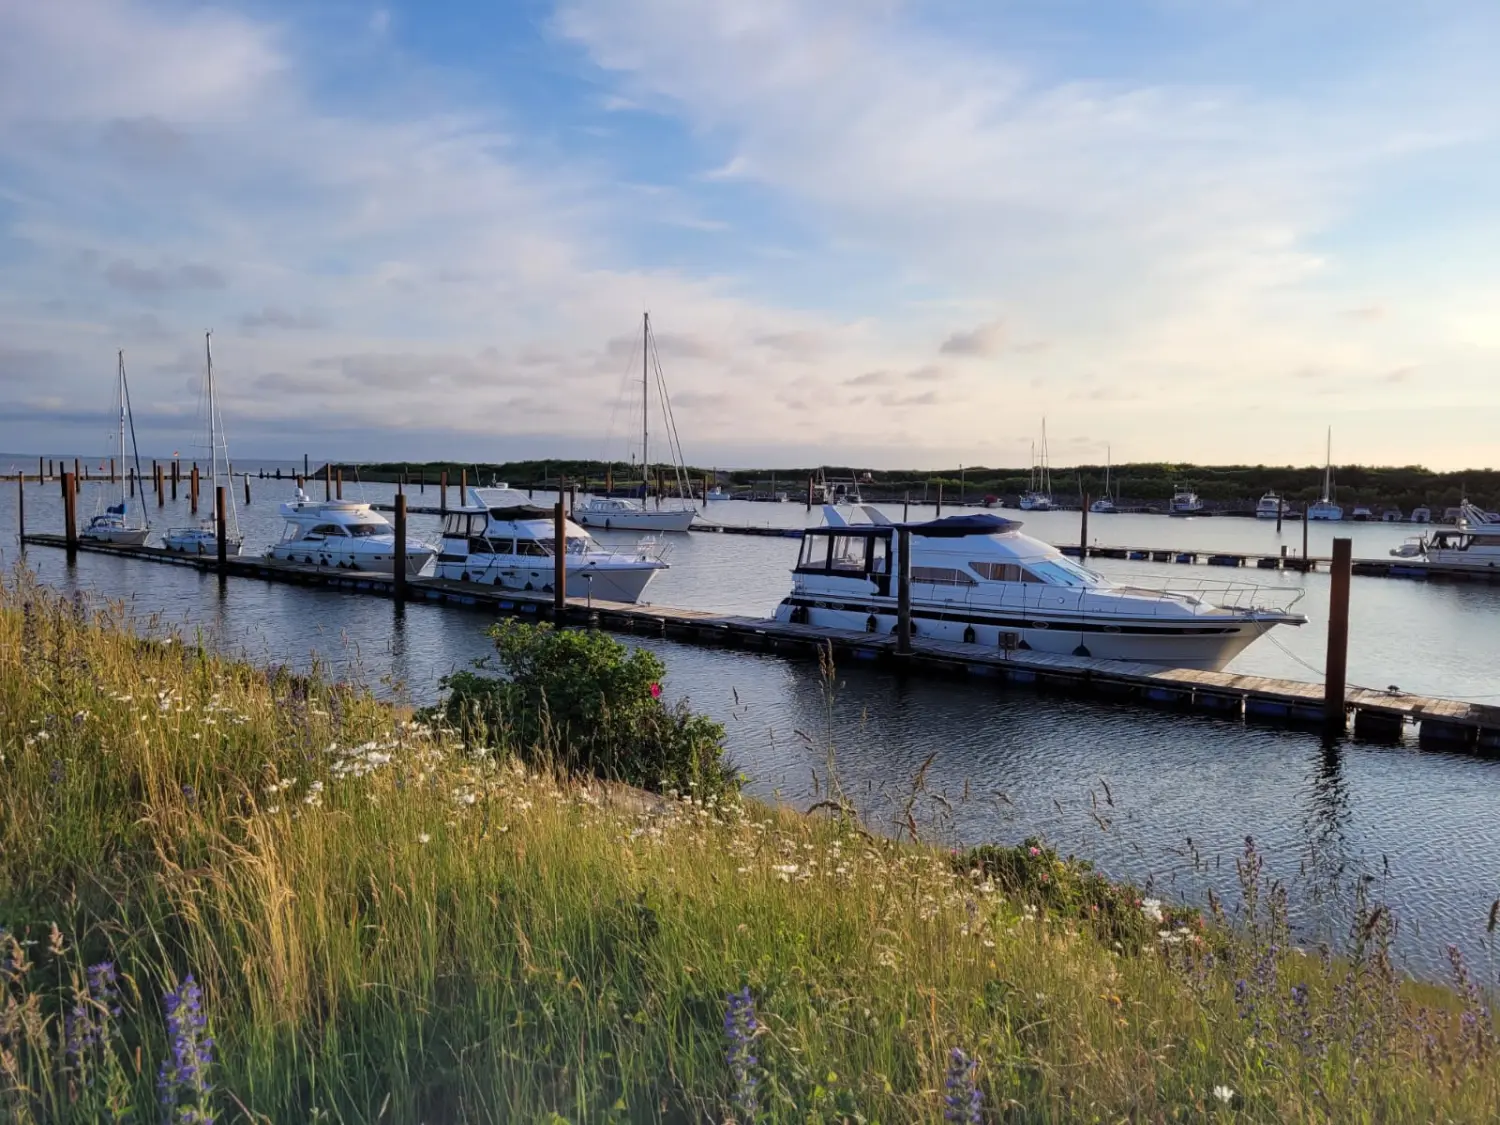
<point>964,1102</point>
<point>740,1027</point>
<point>183,1082</point>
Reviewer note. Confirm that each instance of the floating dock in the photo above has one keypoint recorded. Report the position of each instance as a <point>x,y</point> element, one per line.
<point>1376,715</point>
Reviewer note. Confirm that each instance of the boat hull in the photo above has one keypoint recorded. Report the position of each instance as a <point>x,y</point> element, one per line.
<point>116,536</point>
<point>1205,645</point>
<point>372,562</point>
<point>196,543</point>
<point>610,582</point>
<point>670,519</point>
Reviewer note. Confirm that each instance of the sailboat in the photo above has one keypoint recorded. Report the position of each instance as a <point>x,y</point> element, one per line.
<point>614,513</point>
<point>1326,508</point>
<point>1105,505</point>
<point>114,525</point>
<point>204,538</point>
<point>1038,497</point>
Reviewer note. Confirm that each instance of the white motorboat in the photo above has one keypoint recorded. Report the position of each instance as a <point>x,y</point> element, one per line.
<point>1472,544</point>
<point>1361,514</point>
<point>204,538</point>
<point>1391,515</point>
<point>114,524</point>
<point>716,493</point>
<point>1270,507</point>
<point>1035,502</point>
<point>500,538</point>
<point>347,534</point>
<point>976,578</point>
<point>1325,508</point>
<point>614,513</point>
<point>1421,514</point>
<point>677,513</point>
<point>1185,503</point>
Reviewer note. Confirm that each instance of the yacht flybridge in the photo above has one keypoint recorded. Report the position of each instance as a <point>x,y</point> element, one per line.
<point>500,538</point>
<point>976,578</point>
<point>114,523</point>
<point>343,533</point>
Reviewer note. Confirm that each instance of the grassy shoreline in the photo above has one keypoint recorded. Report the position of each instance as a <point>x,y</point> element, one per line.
<point>380,925</point>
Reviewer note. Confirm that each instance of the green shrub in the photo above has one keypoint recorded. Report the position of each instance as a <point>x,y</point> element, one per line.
<point>582,702</point>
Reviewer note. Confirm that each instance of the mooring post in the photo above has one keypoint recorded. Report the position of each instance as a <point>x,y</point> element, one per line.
<point>40,475</point>
<point>193,484</point>
<point>559,558</point>
<point>112,477</point>
<point>422,480</point>
<point>338,485</point>
<point>1083,530</point>
<point>1305,522</point>
<point>176,474</point>
<point>161,488</point>
<point>305,467</point>
<point>903,591</point>
<point>328,480</point>
<point>221,528</point>
<point>247,488</point>
<point>21,509</point>
<point>809,493</point>
<point>132,475</point>
<point>443,493</point>
<point>70,513</point>
<point>906,505</point>
<point>939,509</point>
<point>398,564</point>
<point>77,473</point>
<point>463,485</point>
<point>1336,667</point>
<point>62,484</point>
<point>1280,507</point>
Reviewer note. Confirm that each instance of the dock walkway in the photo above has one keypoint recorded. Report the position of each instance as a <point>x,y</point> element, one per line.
<point>1375,714</point>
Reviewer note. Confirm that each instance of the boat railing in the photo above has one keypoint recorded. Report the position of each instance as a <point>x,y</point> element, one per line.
<point>1243,597</point>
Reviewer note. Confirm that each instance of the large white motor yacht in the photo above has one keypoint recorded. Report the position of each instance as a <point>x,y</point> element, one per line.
<point>613,513</point>
<point>976,578</point>
<point>1035,502</point>
<point>1270,507</point>
<point>346,534</point>
<point>1473,544</point>
<point>500,538</point>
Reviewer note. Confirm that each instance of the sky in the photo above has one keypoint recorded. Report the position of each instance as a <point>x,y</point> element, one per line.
<point>876,232</point>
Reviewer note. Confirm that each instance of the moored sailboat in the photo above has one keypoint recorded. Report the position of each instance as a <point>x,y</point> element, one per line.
<point>204,538</point>
<point>115,524</point>
<point>1325,508</point>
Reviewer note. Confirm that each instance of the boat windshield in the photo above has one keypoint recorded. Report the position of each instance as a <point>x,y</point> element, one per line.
<point>365,530</point>
<point>1063,572</point>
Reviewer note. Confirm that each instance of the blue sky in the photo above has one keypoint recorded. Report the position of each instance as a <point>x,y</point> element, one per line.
<point>887,232</point>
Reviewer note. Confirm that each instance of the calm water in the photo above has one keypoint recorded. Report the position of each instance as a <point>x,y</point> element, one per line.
<point>1006,763</point>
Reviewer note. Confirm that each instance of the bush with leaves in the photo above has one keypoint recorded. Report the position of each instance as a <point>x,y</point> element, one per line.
<point>581,702</point>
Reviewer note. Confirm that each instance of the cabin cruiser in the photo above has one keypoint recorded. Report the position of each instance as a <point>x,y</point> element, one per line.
<point>1362,514</point>
<point>1185,503</point>
<point>1472,544</point>
<point>1103,506</point>
<point>1422,514</point>
<point>1270,507</point>
<point>343,533</point>
<point>616,514</point>
<point>502,539</point>
<point>716,493</point>
<point>976,578</point>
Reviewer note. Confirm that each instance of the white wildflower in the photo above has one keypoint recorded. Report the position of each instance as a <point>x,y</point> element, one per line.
<point>1224,1094</point>
<point>423,837</point>
<point>1151,908</point>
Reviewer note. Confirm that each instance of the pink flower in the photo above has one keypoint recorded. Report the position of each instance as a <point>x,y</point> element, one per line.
<point>1036,851</point>
<point>656,691</point>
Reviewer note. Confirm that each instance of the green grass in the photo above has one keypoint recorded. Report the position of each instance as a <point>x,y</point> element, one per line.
<point>387,928</point>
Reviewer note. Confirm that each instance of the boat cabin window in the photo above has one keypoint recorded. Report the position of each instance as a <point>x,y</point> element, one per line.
<point>814,554</point>
<point>942,576</point>
<point>326,530</point>
<point>364,530</point>
<point>880,550</point>
<point>1001,572</point>
<point>534,548</point>
<point>461,525</point>
<point>848,553</point>
<point>1062,572</point>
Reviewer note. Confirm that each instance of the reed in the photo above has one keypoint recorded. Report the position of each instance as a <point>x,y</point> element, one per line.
<point>240,894</point>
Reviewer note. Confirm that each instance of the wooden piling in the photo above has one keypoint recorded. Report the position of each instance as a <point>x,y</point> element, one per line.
<point>809,493</point>
<point>221,528</point>
<point>906,505</point>
<point>1083,530</point>
<point>1280,508</point>
<point>338,485</point>
<point>559,557</point>
<point>939,510</point>
<point>21,509</point>
<point>422,480</point>
<point>443,493</point>
<point>194,484</point>
<point>1335,668</point>
<point>903,591</point>
<point>77,473</point>
<point>328,480</point>
<point>130,473</point>
<point>398,564</point>
<point>40,474</point>
<point>1305,522</point>
<point>176,473</point>
<point>62,485</point>
<point>112,477</point>
<point>161,488</point>
<point>247,489</point>
<point>463,486</point>
<point>70,514</point>
<point>306,468</point>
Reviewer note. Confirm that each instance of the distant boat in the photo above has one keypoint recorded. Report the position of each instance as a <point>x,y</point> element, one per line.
<point>1185,503</point>
<point>1038,495</point>
<point>1391,515</point>
<point>1326,508</point>
<point>1362,513</point>
<point>204,539</point>
<point>114,525</point>
<point>1105,505</point>
<point>1421,514</point>
<point>1270,507</point>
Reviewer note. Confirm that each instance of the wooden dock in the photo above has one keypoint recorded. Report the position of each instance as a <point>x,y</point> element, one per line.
<point>1377,715</point>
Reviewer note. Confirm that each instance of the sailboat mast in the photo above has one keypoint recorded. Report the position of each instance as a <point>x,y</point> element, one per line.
<point>213,437</point>
<point>645,405</point>
<point>1328,467</point>
<point>120,378</point>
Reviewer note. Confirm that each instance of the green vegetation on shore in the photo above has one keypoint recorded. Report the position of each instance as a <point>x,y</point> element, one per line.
<point>269,898</point>
<point>1404,487</point>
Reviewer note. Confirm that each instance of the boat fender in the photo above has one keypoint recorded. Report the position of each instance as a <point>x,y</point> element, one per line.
<point>463,576</point>
<point>870,623</point>
<point>529,586</point>
<point>1082,650</point>
<point>968,634</point>
<point>607,524</point>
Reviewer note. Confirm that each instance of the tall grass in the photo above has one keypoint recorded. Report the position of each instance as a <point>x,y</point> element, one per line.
<point>380,926</point>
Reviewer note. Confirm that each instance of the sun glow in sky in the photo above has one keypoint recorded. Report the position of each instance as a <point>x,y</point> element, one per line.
<point>883,232</point>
